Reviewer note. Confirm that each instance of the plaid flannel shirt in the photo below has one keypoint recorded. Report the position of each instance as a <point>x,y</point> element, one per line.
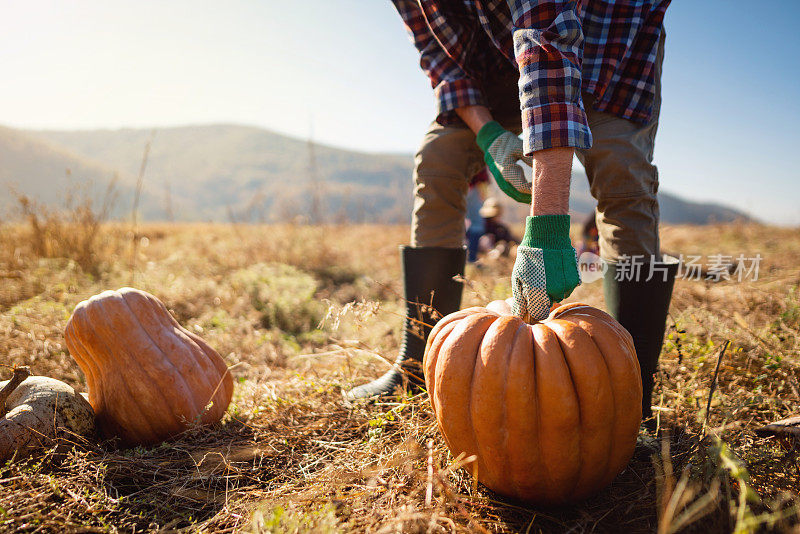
<point>559,47</point>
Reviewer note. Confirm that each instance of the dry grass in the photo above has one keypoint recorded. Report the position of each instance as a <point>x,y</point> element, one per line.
<point>291,456</point>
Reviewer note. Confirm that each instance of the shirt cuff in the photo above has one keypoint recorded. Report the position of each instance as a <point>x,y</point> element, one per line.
<point>555,125</point>
<point>456,94</point>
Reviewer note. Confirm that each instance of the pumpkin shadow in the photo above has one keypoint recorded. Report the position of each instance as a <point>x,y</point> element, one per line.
<point>187,479</point>
<point>632,501</point>
<point>178,483</point>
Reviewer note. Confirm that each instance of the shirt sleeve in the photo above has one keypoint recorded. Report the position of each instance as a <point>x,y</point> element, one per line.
<point>548,46</point>
<point>452,87</point>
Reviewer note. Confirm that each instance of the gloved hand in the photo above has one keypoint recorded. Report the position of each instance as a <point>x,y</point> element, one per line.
<point>546,270</point>
<point>501,151</point>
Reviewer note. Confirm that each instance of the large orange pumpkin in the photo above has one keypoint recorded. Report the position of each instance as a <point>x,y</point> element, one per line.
<point>148,377</point>
<point>551,410</point>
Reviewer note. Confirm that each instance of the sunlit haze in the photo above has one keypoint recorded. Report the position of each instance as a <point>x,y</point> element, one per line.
<point>345,73</point>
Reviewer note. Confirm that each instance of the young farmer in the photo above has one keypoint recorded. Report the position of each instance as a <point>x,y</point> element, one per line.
<point>574,78</point>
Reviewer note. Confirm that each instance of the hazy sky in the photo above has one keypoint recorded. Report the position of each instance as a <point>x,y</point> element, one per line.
<point>729,121</point>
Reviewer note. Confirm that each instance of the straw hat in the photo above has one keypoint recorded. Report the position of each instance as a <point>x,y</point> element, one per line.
<point>491,208</point>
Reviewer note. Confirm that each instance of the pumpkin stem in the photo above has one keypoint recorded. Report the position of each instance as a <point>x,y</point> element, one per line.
<point>20,374</point>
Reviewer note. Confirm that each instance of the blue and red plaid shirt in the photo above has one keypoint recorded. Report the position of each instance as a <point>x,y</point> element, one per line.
<point>560,48</point>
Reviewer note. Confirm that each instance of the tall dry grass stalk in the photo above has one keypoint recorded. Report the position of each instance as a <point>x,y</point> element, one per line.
<point>135,210</point>
<point>680,502</point>
<point>73,230</point>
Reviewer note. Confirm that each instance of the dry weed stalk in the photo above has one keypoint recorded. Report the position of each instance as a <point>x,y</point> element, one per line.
<point>72,231</point>
<point>362,311</point>
<point>135,209</point>
<point>678,506</point>
<point>713,385</point>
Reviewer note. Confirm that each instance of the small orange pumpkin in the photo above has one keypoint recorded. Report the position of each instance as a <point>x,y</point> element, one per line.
<point>551,410</point>
<point>148,377</point>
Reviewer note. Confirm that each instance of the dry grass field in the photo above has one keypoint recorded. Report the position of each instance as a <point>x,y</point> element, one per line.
<point>301,313</point>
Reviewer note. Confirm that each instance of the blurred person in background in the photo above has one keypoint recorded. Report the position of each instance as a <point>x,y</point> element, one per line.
<point>590,238</point>
<point>476,195</point>
<point>497,239</point>
<point>574,78</point>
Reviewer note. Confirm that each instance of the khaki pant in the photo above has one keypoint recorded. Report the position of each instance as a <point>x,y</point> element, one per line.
<point>622,177</point>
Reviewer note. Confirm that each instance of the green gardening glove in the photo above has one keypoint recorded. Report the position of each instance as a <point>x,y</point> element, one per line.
<point>501,151</point>
<point>546,270</point>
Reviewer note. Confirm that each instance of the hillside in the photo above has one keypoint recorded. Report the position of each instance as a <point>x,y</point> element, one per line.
<point>224,172</point>
<point>215,171</point>
<point>46,172</point>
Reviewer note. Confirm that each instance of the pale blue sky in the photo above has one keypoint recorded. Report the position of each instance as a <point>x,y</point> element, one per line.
<point>729,119</point>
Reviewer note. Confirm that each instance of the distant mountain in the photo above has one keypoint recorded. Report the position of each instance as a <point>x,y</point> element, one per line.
<point>229,172</point>
<point>46,172</point>
<point>222,171</point>
<point>673,209</point>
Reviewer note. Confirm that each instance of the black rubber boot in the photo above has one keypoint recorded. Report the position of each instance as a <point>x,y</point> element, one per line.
<point>641,306</point>
<point>428,279</point>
